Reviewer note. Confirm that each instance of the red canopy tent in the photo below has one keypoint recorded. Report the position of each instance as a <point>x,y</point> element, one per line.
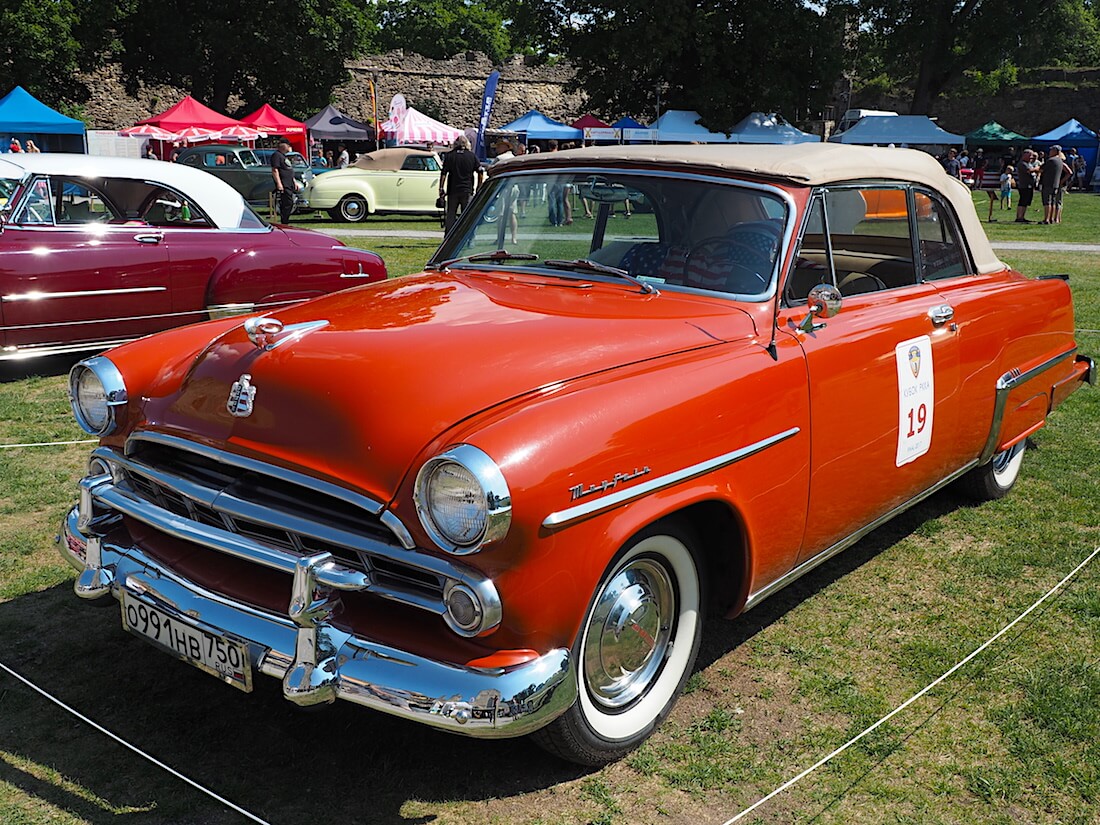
<point>189,112</point>
<point>590,122</point>
<point>273,122</point>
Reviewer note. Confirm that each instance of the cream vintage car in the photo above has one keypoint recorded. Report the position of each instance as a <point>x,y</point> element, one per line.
<point>389,180</point>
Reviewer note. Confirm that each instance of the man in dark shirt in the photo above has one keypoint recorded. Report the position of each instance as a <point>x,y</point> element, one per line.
<point>457,180</point>
<point>952,165</point>
<point>1025,183</point>
<point>1051,179</point>
<point>283,173</point>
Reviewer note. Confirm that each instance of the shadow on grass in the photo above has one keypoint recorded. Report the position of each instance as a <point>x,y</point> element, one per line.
<point>341,763</point>
<point>12,371</point>
<point>722,636</point>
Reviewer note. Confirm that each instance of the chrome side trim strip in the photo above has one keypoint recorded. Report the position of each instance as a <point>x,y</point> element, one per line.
<point>13,353</point>
<point>1005,384</point>
<point>567,516</point>
<point>758,596</point>
<point>41,296</point>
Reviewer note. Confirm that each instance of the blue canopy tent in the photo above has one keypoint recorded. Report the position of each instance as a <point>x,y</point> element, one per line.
<point>763,128</point>
<point>624,123</point>
<point>681,126</point>
<point>910,130</point>
<point>536,126</point>
<point>24,116</point>
<point>1076,134</point>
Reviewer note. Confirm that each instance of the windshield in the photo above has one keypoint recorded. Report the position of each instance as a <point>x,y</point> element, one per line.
<point>674,232</point>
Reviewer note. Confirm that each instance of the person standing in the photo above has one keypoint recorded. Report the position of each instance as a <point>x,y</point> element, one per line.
<point>1025,184</point>
<point>980,165</point>
<point>343,159</point>
<point>952,165</point>
<point>283,173</point>
<point>457,180</point>
<point>1050,185</point>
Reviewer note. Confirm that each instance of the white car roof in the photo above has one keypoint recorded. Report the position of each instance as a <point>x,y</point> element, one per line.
<point>216,198</point>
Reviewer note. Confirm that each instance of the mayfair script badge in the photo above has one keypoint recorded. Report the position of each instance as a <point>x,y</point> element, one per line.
<point>580,491</point>
<point>240,397</point>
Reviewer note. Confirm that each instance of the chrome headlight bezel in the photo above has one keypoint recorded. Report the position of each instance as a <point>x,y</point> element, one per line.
<point>493,498</point>
<point>114,392</point>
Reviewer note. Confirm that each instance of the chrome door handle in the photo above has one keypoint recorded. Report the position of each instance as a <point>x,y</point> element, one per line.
<point>941,314</point>
<point>152,237</point>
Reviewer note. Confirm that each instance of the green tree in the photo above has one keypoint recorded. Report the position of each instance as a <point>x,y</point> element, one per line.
<point>440,29</point>
<point>931,44</point>
<point>723,58</point>
<point>288,54</point>
<point>44,44</point>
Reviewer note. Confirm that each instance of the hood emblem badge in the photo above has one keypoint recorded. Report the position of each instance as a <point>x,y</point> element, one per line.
<point>241,396</point>
<point>267,333</point>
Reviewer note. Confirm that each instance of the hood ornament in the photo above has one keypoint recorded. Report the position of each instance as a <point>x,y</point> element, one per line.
<point>241,396</point>
<point>267,333</point>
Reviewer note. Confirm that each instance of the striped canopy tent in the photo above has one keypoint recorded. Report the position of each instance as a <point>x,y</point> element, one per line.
<point>416,127</point>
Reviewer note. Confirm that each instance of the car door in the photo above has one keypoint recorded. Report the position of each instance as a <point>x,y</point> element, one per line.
<point>418,185</point>
<point>74,271</point>
<point>883,372</point>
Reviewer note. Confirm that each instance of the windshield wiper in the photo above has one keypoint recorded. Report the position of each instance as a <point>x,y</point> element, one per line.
<point>486,257</point>
<point>585,265</point>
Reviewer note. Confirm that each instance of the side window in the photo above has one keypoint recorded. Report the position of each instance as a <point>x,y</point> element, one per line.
<point>811,264</point>
<point>191,160</point>
<point>38,206</point>
<point>941,254</point>
<point>81,204</point>
<point>870,238</point>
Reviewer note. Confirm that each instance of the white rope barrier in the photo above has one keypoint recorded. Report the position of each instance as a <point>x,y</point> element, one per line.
<point>134,748</point>
<point>912,698</point>
<point>47,444</point>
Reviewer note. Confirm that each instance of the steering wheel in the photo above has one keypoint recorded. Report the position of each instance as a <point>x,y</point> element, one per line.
<point>737,264</point>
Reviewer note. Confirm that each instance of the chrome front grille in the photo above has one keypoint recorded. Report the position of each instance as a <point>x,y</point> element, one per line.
<point>295,515</point>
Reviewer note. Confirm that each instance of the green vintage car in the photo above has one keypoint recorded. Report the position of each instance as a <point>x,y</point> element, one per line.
<point>247,171</point>
<point>389,180</point>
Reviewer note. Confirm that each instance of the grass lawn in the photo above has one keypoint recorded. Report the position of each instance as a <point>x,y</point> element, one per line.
<point>1011,738</point>
<point>1080,220</point>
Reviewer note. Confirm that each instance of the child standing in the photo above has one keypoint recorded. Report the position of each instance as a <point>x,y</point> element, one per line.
<point>1006,187</point>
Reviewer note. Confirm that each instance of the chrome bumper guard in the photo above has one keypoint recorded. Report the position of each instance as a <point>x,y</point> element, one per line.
<point>317,662</point>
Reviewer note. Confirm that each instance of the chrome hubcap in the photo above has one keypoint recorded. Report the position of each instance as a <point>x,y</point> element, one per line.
<point>353,209</point>
<point>629,633</point>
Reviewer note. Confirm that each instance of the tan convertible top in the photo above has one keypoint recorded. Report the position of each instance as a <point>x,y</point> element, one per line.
<point>387,160</point>
<point>809,164</point>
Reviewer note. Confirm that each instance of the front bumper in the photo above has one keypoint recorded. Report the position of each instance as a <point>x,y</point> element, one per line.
<point>319,663</point>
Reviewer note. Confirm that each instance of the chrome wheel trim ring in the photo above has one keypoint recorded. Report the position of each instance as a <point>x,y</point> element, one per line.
<point>353,208</point>
<point>629,634</point>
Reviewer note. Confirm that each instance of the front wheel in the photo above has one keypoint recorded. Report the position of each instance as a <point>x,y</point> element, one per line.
<point>352,208</point>
<point>996,477</point>
<point>636,649</point>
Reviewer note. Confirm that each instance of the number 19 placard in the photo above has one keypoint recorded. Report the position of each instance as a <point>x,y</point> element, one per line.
<point>916,398</point>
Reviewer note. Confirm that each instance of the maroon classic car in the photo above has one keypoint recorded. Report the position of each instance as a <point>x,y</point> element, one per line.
<point>97,251</point>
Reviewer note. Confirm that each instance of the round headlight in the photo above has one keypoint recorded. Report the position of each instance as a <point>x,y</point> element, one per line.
<point>96,388</point>
<point>463,500</point>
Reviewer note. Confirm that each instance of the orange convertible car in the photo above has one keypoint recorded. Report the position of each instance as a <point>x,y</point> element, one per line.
<point>498,496</point>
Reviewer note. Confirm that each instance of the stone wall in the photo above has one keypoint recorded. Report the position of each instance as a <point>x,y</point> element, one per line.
<point>452,87</point>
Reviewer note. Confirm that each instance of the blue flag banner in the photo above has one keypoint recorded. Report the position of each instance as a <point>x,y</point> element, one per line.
<point>486,110</point>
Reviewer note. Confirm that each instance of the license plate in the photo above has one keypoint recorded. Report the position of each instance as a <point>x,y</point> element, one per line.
<point>204,648</point>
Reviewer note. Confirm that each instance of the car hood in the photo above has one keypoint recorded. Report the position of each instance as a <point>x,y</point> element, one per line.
<point>397,363</point>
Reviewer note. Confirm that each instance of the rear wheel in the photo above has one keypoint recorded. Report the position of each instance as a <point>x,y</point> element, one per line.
<point>635,651</point>
<point>996,477</point>
<point>352,208</point>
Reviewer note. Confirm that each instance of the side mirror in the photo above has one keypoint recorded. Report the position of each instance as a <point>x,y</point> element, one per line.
<point>823,301</point>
